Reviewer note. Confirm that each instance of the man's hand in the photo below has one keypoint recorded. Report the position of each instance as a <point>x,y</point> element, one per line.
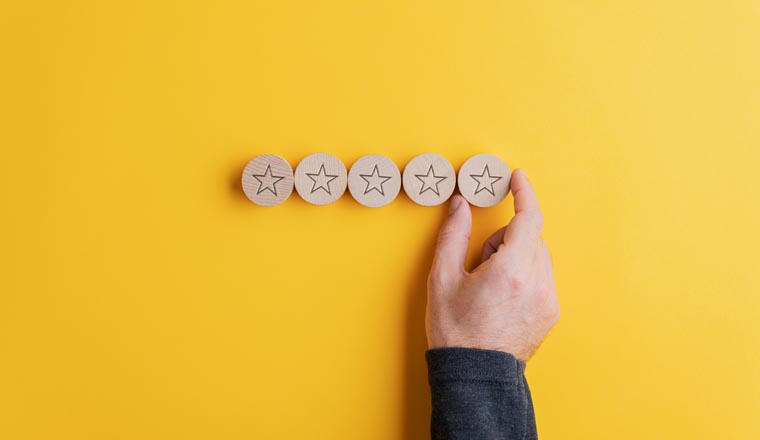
<point>509,302</point>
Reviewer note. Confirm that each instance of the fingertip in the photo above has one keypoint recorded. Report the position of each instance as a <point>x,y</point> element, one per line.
<point>455,203</point>
<point>459,204</point>
<point>523,192</point>
<point>459,198</point>
<point>519,176</point>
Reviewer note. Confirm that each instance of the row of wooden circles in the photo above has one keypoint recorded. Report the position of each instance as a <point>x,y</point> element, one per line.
<point>374,180</point>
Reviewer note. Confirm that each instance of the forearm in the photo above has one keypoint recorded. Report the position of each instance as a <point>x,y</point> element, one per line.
<point>479,394</point>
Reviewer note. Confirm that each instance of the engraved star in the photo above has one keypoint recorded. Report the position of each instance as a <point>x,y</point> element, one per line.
<point>485,181</point>
<point>374,181</point>
<point>321,180</point>
<point>267,181</point>
<point>430,181</point>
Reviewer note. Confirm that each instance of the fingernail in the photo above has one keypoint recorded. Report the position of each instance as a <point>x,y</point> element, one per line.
<point>455,202</point>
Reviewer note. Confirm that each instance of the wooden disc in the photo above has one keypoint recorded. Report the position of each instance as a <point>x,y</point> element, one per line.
<point>268,180</point>
<point>320,178</point>
<point>484,180</point>
<point>374,180</point>
<point>429,179</point>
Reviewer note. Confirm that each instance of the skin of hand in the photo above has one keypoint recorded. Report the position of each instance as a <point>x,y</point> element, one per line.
<point>509,301</point>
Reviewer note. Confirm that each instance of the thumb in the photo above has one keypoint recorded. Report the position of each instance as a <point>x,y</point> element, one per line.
<point>453,239</point>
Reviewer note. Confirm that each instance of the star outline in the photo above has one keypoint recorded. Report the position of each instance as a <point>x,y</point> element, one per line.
<point>267,174</point>
<point>326,186</point>
<point>379,187</point>
<point>492,180</point>
<point>434,186</point>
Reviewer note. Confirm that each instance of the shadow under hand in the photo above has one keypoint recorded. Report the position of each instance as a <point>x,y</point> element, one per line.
<point>416,405</point>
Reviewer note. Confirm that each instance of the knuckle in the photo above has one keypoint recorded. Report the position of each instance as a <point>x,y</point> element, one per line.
<point>450,231</point>
<point>435,281</point>
<point>440,280</point>
<point>517,280</point>
<point>445,231</point>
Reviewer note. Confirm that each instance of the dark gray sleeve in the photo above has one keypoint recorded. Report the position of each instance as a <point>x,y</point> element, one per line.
<point>479,394</point>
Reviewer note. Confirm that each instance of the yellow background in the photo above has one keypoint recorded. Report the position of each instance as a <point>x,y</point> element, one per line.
<point>143,296</point>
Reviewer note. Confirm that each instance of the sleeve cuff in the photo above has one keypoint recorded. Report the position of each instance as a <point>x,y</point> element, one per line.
<point>472,364</point>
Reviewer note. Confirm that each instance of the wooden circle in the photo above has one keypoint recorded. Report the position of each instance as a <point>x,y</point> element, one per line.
<point>320,178</point>
<point>374,180</point>
<point>484,180</point>
<point>429,179</point>
<point>268,180</point>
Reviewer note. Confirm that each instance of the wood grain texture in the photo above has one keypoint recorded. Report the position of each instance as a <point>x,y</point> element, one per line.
<point>268,180</point>
<point>374,180</point>
<point>429,179</point>
<point>320,178</point>
<point>484,180</point>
